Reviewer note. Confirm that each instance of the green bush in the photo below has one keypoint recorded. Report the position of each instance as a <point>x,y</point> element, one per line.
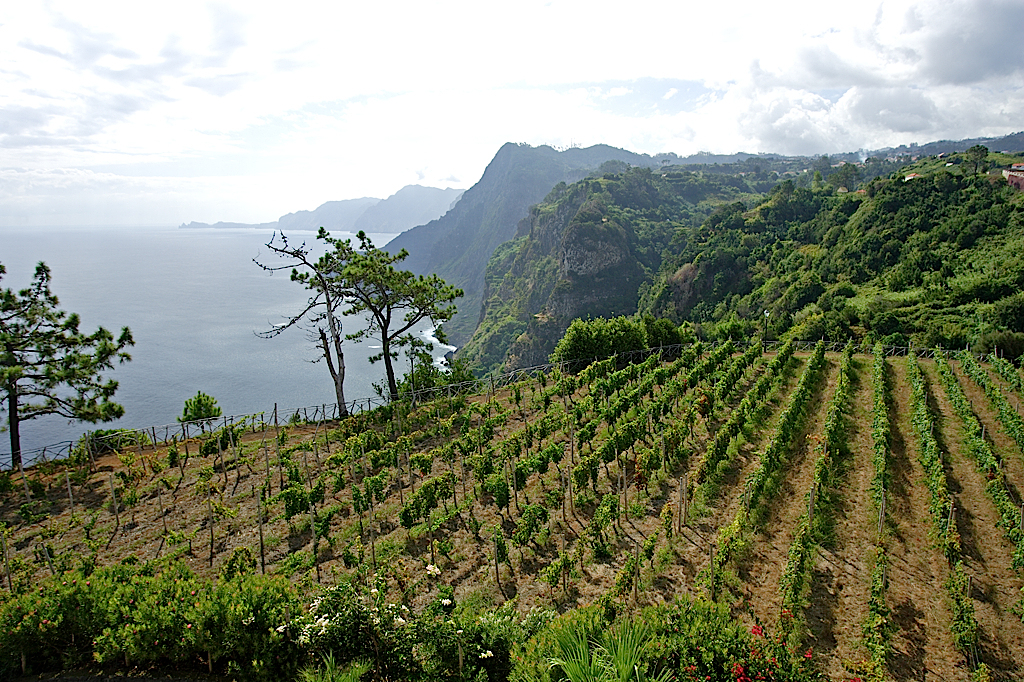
<point>689,639</point>
<point>198,407</point>
<point>134,614</point>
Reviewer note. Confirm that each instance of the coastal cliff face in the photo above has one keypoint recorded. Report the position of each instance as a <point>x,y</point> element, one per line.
<point>458,245</point>
<point>583,252</point>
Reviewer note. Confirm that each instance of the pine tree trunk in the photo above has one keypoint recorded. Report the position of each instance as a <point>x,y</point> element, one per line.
<point>14,424</point>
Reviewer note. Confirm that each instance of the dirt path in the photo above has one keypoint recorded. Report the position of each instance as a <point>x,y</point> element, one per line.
<point>762,569</point>
<point>987,555</point>
<point>842,574</point>
<point>922,645</point>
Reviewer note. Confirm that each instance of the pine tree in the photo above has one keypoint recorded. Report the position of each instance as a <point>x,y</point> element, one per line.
<point>48,366</point>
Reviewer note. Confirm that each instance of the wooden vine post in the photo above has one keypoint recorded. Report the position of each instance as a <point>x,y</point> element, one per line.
<point>259,516</point>
<point>88,450</point>
<point>373,534</point>
<point>220,455</point>
<point>497,562</point>
<point>24,483</point>
<point>277,450</point>
<point>810,506</point>
<point>209,513</point>
<point>138,449</point>
<point>163,514</point>
<point>7,562</point>
<point>711,570</point>
<point>113,497</point>
<point>312,525</point>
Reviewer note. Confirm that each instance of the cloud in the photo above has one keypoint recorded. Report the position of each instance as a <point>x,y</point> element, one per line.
<point>227,35</point>
<point>218,85</point>
<point>283,110</point>
<point>903,110</point>
<point>972,43</point>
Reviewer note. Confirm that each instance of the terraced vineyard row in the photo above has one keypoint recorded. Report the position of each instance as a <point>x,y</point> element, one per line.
<point>821,497</point>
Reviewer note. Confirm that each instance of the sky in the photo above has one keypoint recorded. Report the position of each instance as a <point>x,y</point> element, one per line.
<point>129,113</point>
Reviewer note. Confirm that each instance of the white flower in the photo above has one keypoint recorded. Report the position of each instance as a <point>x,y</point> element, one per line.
<point>446,602</point>
<point>433,570</point>
<point>399,621</point>
<point>281,628</point>
<point>458,632</point>
<point>405,608</point>
<point>374,590</point>
<point>487,654</point>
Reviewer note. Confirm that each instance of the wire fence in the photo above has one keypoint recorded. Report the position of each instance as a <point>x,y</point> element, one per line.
<point>151,436</point>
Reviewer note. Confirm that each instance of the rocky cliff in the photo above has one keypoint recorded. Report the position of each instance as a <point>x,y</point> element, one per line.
<point>457,245</point>
<point>587,250</point>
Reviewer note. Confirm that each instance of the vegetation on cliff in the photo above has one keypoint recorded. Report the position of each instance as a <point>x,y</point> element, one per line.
<point>930,255</point>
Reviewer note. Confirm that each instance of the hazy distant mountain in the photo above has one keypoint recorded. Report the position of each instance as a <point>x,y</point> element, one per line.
<point>458,245</point>
<point>336,216</point>
<point>1008,143</point>
<point>412,205</point>
<point>223,225</point>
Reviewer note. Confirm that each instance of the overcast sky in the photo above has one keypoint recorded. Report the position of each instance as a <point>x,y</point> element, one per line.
<point>159,113</point>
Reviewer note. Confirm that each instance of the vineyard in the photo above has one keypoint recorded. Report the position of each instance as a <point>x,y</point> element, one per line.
<point>864,509</point>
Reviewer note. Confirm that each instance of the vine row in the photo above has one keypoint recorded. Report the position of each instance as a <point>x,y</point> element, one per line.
<point>985,461</point>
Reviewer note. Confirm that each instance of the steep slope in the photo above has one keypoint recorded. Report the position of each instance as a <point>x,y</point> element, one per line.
<point>578,479</point>
<point>931,256</point>
<point>587,250</point>
<point>932,260</point>
<point>458,245</point>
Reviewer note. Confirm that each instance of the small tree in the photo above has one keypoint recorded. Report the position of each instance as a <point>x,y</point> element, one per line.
<point>199,407</point>
<point>976,156</point>
<point>322,308</point>
<point>396,300</point>
<point>48,366</point>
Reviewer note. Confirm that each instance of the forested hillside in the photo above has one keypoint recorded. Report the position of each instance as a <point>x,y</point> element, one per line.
<point>586,251</point>
<point>933,260</point>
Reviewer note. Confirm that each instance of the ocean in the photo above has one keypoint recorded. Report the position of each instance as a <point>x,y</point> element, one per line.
<point>194,301</point>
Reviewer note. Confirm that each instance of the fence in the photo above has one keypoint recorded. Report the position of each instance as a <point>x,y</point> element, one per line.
<point>326,412</point>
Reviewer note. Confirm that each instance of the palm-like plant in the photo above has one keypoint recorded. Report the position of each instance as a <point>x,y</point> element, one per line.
<point>333,672</point>
<point>617,656</point>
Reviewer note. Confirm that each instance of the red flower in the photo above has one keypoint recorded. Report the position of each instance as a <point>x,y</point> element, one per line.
<point>757,631</point>
<point>808,654</point>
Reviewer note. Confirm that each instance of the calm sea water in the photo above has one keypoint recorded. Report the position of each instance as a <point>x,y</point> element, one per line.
<point>194,301</point>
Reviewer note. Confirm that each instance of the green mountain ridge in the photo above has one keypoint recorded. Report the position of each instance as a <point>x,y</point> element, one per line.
<point>933,260</point>
<point>458,245</point>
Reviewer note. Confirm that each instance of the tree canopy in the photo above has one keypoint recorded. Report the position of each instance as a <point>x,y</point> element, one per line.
<point>48,366</point>
<point>322,307</point>
<point>349,281</point>
<point>199,407</point>
<point>396,301</point>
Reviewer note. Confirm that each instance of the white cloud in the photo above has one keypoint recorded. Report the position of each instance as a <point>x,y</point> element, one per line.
<point>243,111</point>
